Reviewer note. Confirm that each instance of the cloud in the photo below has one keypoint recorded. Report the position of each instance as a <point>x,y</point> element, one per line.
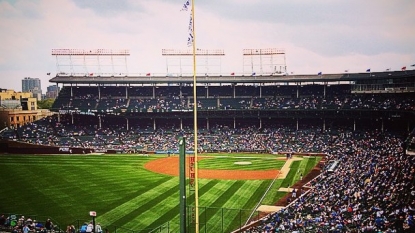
<point>323,35</point>
<point>328,27</point>
<point>110,8</point>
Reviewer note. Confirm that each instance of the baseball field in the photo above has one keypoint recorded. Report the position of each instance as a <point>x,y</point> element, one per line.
<point>138,193</point>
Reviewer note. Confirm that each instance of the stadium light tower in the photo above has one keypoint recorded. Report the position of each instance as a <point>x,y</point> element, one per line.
<point>91,62</point>
<point>179,62</point>
<point>264,61</point>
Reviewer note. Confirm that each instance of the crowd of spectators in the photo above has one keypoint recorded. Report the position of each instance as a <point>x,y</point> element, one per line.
<point>372,189</point>
<point>86,99</point>
<point>22,224</point>
<point>15,224</point>
<point>218,138</point>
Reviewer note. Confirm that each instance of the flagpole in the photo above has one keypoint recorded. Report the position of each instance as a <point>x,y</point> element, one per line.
<point>195,123</point>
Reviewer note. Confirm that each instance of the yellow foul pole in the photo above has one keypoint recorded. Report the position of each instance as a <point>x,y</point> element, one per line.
<point>195,123</point>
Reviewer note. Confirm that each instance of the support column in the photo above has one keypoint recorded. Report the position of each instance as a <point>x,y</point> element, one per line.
<point>260,91</point>
<point>99,92</point>
<point>298,91</point>
<point>154,92</point>
<point>297,124</point>
<point>154,124</point>
<point>182,184</point>
<point>71,92</point>
<point>234,123</point>
<point>324,91</point>
<point>126,92</point>
<point>99,122</point>
<point>207,91</point>
<point>324,124</point>
<point>260,123</point>
<point>207,123</point>
<point>382,126</point>
<point>234,90</point>
<point>128,125</point>
<point>181,123</point>
<point>72,118</point>
<point>354,124</point>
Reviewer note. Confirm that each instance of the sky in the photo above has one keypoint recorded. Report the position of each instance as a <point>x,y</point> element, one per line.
<point>328,36</point>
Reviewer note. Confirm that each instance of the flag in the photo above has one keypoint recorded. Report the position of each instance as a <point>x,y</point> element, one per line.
<point>368,70</point>
<point>320,73</point>
<point>388,69</point>
<point>253,73</point>
<point>148,74</point>
<point>91,74</point>
<point>404,68</point>
<point>47,73</point>
<point>190,30</point>
<point>186,6</point>
<point>413,65</point>
<point>345,71</point>
<point>233,73</point>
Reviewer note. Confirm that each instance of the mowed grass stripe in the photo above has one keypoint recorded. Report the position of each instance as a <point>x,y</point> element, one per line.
<point>240,155</point>
<point>270,198</point>
<point>120,215</point>
<point>83,187</point>
<point>43,199</point>
<point>216,196</point>
<point>67,187</point>
<point>55,185</point>
<point>289,179</point>
<point>211,197</point>
<point>233,205</point>
<point>150,210</point>
<point>229,163</point>
<point>113,205</point>
<point>214,210</point>
<point>28,191</point>
<point>173,215</point>
<point>301,169</point>
<point>312,162</point>
<point>251,192</point>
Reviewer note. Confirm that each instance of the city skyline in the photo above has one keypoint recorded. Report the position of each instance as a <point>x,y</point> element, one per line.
<point>33,85</point>
<point>318,36</point>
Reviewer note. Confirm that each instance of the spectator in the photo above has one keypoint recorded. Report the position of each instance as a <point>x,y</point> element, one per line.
<point>90,227</point>
<point>49,225</point>
<point>98,228</point>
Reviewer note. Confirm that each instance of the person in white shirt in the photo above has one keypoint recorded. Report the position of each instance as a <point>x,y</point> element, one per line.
<point>98,228</point>
<point>89,227</point>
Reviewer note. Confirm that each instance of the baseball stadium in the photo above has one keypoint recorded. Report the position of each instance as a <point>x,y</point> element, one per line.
<point>257,151</point>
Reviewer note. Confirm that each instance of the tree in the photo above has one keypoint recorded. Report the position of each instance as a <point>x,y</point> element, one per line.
<point>45,104</point>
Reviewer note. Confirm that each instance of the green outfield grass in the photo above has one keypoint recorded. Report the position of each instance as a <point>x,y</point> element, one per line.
<point>128,197</point>
<point>264,162</point>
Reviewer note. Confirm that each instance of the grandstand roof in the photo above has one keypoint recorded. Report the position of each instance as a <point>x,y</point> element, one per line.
<point>147,79</point>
